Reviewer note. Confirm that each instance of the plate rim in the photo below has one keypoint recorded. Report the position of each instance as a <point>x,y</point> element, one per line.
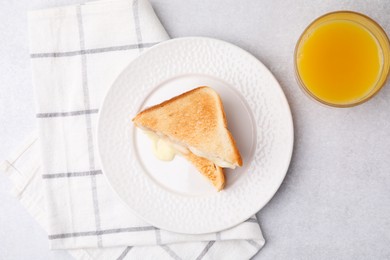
<point>281,95</point>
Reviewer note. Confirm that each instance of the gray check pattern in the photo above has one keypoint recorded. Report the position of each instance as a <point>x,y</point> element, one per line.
<point>92,172</point>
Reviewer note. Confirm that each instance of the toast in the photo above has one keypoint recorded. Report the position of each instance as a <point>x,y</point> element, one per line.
<point>195,122</point>
<point>211,171</point>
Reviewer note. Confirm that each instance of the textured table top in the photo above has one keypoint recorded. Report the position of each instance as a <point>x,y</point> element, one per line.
<point>335,200</point>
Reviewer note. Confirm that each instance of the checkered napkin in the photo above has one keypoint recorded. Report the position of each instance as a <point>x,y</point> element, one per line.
<point>76,54</point>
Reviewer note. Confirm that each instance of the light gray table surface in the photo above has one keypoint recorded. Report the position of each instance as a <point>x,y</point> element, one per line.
<point>335,200</point>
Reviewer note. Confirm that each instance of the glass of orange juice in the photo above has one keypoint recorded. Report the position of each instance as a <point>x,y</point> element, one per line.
<point>342,59</point>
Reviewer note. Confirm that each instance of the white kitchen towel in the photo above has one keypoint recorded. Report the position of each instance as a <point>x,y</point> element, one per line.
<point>76,53</point>
<point>24,170</point>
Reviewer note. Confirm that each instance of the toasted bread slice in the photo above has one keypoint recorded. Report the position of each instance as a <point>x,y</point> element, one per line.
<point>195,120</point>
<point>211,171</point>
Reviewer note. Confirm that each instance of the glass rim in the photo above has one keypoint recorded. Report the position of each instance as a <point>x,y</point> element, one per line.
<point>371,94</point>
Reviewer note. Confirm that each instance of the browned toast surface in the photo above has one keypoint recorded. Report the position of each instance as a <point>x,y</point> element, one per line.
<point>194,119</point>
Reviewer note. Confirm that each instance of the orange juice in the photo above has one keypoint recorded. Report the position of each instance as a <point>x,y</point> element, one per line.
<point>339,61</point>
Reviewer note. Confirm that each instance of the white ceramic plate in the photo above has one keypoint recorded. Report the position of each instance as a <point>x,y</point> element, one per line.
<point>173,195</point>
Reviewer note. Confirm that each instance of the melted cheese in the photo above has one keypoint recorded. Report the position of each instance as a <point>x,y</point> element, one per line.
<point>166,150</point>
<point>219,162</point>
<point>163,148</point>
